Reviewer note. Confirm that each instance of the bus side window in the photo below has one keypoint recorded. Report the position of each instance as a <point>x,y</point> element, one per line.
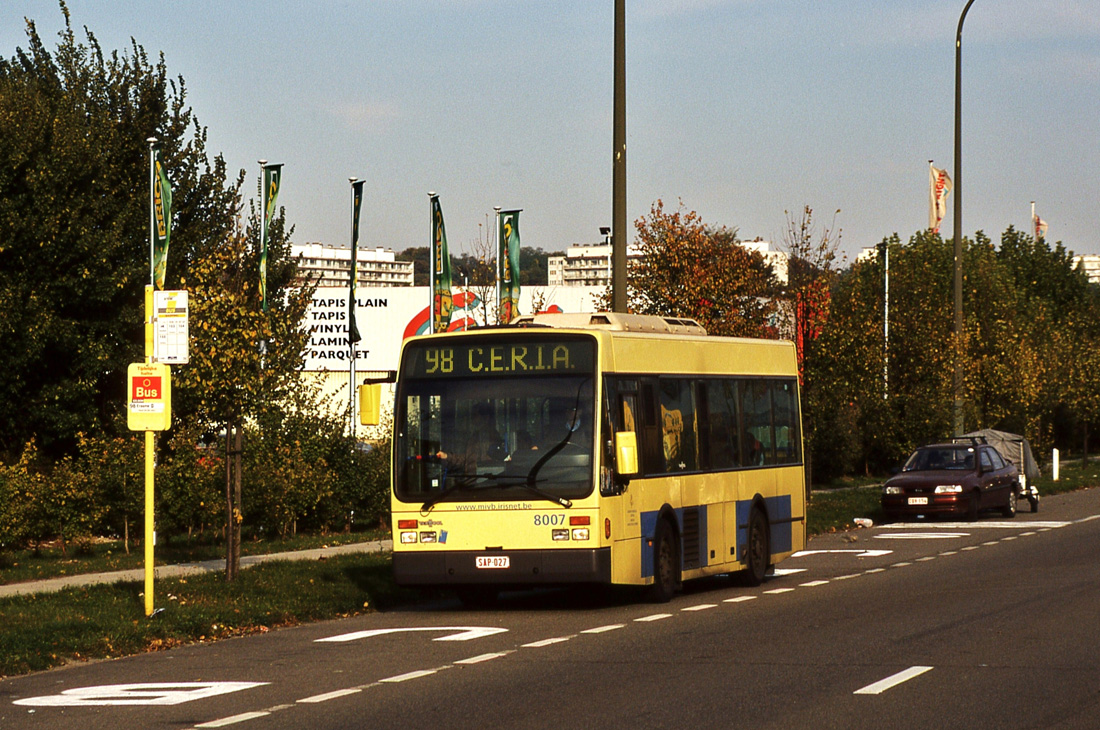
<point>785,401</point>
<point>722,427</point>
<point>678,425</point>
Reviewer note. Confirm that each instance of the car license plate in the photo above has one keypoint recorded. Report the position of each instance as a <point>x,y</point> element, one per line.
<point>918,500</point>
<point>492,561</point>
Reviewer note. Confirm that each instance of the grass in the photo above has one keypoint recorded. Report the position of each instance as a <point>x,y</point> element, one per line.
<point>110,555</point>
<point>46,630</point>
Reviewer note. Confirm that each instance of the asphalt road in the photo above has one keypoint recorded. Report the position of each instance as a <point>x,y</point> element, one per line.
<point>991,624</point>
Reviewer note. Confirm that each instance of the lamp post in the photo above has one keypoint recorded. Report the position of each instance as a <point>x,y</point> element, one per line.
<point>618,170</point>
<point>958,225</point>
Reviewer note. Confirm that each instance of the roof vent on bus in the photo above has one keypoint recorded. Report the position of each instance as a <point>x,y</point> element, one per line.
<point>613,321</point>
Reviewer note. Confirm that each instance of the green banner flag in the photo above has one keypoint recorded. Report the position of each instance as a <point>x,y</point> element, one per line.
<point>273,175</point>
<point>508,265</point>
<point>442,302</point>
<point>162,213</point>
<point>356,204</point>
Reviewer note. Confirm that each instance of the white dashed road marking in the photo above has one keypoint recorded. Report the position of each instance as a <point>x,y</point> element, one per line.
<point>892,681</point>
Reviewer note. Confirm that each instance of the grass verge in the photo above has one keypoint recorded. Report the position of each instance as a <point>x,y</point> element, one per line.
<point>110,555</point>
<point>46,630</point>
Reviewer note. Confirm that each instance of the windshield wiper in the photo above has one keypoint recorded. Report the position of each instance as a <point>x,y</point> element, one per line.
<point>467,481</point>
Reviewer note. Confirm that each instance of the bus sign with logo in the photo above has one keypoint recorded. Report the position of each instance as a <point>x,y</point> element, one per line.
<point>149,388</point>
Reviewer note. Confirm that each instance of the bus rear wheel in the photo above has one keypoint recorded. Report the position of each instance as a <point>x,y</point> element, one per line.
<point>758,553</point>
<point>666,565</point>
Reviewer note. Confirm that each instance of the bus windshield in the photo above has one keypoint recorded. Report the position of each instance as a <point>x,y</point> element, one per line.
<point>479,422</point>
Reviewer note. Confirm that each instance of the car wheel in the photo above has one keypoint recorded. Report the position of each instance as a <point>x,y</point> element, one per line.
<point>973,504</point>
<point>1009,509</point>
<point>666,565</point>
<point>758,556</point>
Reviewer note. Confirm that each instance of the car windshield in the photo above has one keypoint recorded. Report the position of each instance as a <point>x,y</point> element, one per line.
<point>513,436</point>
<point>939,459</point>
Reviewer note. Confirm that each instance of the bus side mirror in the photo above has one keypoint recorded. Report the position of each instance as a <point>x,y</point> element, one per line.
<point>626,453</point>
<point>370,404</point>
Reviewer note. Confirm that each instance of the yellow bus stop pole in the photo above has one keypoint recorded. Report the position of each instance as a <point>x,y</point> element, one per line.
<point>150,458</point>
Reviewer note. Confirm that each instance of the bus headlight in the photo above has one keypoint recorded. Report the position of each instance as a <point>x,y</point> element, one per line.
<point>408,538</point>
<point>560,534</point>
<point>580,533</point>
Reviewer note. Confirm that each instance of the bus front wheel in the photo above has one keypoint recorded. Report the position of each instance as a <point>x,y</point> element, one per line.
<point>666,565</point>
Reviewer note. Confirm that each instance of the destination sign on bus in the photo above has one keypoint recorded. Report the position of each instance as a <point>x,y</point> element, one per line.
<point>481,358</point>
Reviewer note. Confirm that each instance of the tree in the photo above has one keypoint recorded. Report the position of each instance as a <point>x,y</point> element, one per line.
<point>74,212</point>
<point>686,269</point>
<point>228,379</point>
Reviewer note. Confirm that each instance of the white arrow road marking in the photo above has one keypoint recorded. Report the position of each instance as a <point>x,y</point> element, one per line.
<point>892,681</point>
<point>465,633</point>
<point>857,553</point>
<point>158,693</point>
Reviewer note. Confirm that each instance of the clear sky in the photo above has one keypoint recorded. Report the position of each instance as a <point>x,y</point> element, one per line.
<point>742,109</point>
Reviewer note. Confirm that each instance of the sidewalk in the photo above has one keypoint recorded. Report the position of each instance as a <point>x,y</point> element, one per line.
<point>184,569</point>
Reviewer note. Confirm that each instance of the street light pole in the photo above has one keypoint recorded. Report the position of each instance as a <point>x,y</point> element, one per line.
<point>958,226</point>
<point>618,170</point>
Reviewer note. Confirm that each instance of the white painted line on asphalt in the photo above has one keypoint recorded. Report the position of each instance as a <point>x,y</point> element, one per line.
<point>329,696</point>
<point>977,525</point>
<point>813,583</point>
<point>777,591</point>
<point>874,570</point>
<point>991,542</point>
<point>923,536</point>
<point>857,553</point>
<point>854,575</point>
<point>601,629</point>
<point>548,642</point>
<point>654,617</point>
<point>464,633</point>
<point>1090,518</point>
<point>701,607</point>
<point>971,547</point>
<point>483,657</point>
<point>233,720</point>
<point>926,558</point>
<point>950,552</point>
<point>892,681</point>
<point>900,565</point>
<point>739,599</point>
<point>1027,534</point>
<point>409,675</point>
<point>1010,538</point>
<point>788,571</point>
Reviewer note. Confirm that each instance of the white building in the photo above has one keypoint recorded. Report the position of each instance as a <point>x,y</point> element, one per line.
<point>583,264</point>
<point>590,264</point>
<point>331,266</point>
<point>1090,264</point>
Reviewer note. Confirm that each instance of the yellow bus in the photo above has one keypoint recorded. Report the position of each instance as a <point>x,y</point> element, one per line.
<point>594,448</point>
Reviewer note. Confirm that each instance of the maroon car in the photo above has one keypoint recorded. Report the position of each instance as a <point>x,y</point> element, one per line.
<point>952,479</point>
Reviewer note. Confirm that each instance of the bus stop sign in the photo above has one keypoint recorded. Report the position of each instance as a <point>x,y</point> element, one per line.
<point>149,386</point>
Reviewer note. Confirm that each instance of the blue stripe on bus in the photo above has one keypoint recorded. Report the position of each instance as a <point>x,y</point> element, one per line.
<point>649,530</point>
<point>779,513</point>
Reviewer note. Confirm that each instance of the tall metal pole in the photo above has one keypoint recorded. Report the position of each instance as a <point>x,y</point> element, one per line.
<point>958,226</point>
<point>354,274</point>
<point>150,436</point>
<point>619,233</point>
